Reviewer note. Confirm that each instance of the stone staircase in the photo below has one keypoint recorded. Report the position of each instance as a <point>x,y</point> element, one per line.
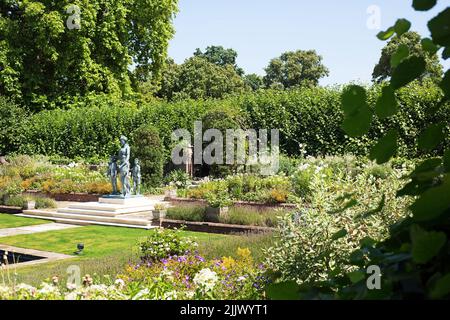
<point>136,212</point>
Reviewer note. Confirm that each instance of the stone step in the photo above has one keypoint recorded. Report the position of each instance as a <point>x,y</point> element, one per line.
<point>127,201</point>
<point>86,222</point>
<point>112,207</point>
<point>104,213</point>
<point>89,218</point>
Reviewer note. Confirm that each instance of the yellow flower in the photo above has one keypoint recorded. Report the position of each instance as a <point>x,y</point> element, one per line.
<point>245,254</point>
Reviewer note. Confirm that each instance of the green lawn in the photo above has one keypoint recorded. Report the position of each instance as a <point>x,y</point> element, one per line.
<point>108,249</point>
<point>12,221</point>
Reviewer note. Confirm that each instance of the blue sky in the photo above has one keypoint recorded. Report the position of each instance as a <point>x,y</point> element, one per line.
<point>260,30</point>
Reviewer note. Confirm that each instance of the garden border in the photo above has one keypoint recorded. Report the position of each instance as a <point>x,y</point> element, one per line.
<point>73,197</point>
<point>211,227</point>
<point>236,203</point>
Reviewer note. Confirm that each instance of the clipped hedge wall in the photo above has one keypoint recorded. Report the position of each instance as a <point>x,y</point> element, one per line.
<point>310,117</point>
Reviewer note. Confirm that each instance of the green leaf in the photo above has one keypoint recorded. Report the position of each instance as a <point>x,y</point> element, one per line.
<point>407,71</point>
<point>426,170</point>
<point>283,291</point>
<point>432,203</point>
<point>353,97</point>
<point>445,84</point>
<point>429,46</point>
<point>440,28</point>
<point>385,148</point>
<point>351,203</point>
<point>446,53</point>
<point>447,160</point>
<point>441,288</point>
<point>402,26</point>
<point>385,35</point>
<point>356,276</point>
<point>340,234</point>
<point>423,5</point>
<point>399,55</point>
<point>386,105</point>
<point>431,137</point>
<point>359,123</point>
<point>375,210</point>
<point>426,245</point>
<point>358,116</point>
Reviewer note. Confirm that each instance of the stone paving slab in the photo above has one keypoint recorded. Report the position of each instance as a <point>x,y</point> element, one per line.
<point>35,229</point>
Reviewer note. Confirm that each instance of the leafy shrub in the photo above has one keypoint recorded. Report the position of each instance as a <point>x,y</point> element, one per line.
<point>187,213</point>
<point>218,199</point>
<point>12,120</point>
<point>309,120</point>
<point>178,178</point>
<point>16,201</point>
<point>147,146</point>
<point>252,217</point>
<point>164,243</point>
<point>318,239</point>
<point>43,203</point>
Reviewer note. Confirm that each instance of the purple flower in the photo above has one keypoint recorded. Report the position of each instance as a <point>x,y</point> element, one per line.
<point>200,258</point>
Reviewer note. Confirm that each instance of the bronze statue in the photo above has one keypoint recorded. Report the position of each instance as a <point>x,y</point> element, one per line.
<point>124,166</point>
<point>136,174</point>
<point>112,173</point>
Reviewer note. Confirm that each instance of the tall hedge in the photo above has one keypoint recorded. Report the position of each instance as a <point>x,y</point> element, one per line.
<point>311,117</point>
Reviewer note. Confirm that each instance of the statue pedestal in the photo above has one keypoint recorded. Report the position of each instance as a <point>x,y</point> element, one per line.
<point>112,210</point>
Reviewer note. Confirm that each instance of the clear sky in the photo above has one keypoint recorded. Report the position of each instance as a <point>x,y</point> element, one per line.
<point>260,30</point>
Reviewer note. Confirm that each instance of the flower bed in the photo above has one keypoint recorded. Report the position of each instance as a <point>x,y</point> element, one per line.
<point>170,268</point>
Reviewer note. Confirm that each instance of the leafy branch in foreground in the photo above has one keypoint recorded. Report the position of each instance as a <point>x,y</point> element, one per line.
<point>415,260</point>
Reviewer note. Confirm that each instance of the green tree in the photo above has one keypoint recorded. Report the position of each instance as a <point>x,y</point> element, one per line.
<point>148,148</point>
<point>220,56</point>
<point>254,81</point>
<point>400,47</point>
<point>295,68</point>
<point>197,78</point>
<point>42,60</point>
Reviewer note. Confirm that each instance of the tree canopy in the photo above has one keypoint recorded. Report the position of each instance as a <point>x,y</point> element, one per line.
<point>402,46</point>
<point>197,78</point>
<point>220,56</point>
<point>295,68</point>
<point>43,60</point>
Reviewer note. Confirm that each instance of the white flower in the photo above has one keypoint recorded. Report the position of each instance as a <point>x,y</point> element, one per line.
<point>241,278</point>
<point>71,286</point>
<point>304,166</point>
<point>48,289</point>
<point>141,294</point>
<point>167,274</point>
<point>171,295</point>
<point>206,279</point>
<point>71,296</point>
<point>119,283</point>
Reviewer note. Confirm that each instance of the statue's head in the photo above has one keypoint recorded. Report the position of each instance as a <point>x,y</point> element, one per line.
<point>113,158</point>
<point>136,161</point>
<point>123,139</point>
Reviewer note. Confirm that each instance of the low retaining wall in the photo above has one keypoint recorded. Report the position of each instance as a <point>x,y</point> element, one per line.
<point>257,205</point>
<point>211,227</point>
<point>73,197</point>
<point>10,210</point>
